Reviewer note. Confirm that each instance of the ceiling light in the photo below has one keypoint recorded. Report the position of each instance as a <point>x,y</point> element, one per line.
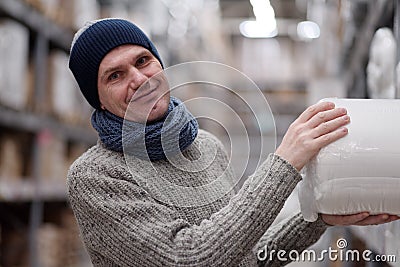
<point>256,29</point>
<point>265,24</point>
<point>308,30</point>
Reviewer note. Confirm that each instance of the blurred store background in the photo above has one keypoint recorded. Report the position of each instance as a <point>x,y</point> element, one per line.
<point>296,52</point>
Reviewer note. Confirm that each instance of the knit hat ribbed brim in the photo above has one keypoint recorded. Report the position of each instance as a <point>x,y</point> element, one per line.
<point>93,42</point>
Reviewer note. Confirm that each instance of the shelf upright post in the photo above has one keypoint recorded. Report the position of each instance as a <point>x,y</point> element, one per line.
<point>396,27</point>
<point>36,211</point>
<point>41,49</point>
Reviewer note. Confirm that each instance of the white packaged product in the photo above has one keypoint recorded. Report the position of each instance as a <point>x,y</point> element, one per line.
<point>360,172</point>
<point>14,54</point>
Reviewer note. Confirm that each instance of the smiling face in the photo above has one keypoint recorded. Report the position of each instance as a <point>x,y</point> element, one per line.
<point>125,87</point>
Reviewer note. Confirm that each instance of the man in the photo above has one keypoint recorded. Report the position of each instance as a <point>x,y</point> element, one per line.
<point>125,219</point>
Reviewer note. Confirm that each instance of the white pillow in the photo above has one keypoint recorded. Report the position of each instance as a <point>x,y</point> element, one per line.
<point>360,172</point>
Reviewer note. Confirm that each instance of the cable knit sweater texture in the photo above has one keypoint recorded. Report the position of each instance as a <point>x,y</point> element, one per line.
<point>122,223</point>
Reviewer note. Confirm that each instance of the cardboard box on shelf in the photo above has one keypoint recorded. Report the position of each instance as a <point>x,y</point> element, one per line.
<point>11,158</point>
<point>75,150</point>
<point>67,13</point>
<point>61,88</point>
<point>14,49</point>
<point>59,243</point>
<point>65,98</point>
<point>75,252</point>
<point>15,249</point>
<point>59,11</point>
<point>85,11</point>
<point>52,157</point>
<point>49,245</point>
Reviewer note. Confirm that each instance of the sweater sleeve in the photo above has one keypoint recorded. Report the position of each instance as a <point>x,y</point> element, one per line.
<point>292,234</point>
<point>124,224</point>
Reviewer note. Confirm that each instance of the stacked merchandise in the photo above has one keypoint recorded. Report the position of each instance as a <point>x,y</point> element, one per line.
<point>44,127</point>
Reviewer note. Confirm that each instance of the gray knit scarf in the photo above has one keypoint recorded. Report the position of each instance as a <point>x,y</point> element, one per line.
<point>154,141</point>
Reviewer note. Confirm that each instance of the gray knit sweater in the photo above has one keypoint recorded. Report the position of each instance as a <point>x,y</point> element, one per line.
<point>122,223</point>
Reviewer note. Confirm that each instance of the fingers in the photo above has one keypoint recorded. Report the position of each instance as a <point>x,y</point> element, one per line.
<point>315,109</point>
<point>323,118</point>
<point>326,116</point>
<point>377,219</point>
<point>330,137</point>
<point>356,218</point>
<point>344,220</point>
<point>328,126</point>
<point>318,126</point>
<point>361,219</point>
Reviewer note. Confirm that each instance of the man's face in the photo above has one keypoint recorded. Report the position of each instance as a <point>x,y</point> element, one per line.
<point>123,81</point>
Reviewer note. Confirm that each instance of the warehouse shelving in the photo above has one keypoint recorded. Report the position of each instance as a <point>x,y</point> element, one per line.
<point>21,12</point>
<point>34,191</point>
<point>27,190</point>
<point>36,122</point>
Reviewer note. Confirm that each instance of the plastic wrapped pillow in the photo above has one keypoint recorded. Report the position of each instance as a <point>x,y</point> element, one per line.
<point>360,172</point>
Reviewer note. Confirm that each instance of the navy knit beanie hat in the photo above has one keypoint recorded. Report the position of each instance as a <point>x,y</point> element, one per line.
<point>91,44</point>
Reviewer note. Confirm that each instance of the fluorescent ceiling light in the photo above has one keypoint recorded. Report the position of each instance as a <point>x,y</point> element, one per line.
<point>255,29</point>
<point>308,30</point>
<point>265,24</point>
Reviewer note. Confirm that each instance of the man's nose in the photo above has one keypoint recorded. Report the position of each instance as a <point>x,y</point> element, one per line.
<point>137,78</point>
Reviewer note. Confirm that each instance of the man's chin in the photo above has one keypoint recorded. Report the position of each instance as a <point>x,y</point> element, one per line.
<point>158,112</point>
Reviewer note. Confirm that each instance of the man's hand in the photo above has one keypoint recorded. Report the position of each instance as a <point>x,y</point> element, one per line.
<point>363,218</point>
<point>318,126</point>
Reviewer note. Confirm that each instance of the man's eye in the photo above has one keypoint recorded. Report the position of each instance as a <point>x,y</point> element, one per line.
<point>113,76</point>
<point>141,61</point>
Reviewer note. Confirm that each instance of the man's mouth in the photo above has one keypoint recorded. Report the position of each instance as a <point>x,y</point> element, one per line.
<point>144,91</point>
<point>137,97</point>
